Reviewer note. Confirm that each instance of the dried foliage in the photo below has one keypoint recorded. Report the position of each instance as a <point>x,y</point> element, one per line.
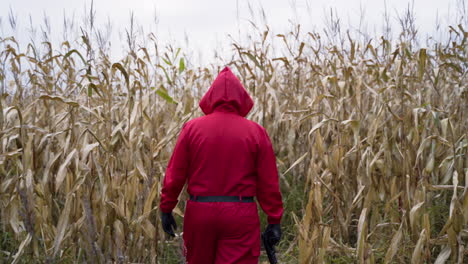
<point>373,133</point>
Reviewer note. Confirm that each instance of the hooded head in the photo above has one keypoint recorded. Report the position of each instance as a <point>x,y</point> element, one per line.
<point>226,92</point>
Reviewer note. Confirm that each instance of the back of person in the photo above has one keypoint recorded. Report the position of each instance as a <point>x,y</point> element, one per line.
<point>226,160</point>
<point>224,147</point>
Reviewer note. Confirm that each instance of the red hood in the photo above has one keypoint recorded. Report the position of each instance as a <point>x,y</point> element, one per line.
<point>227,91</point>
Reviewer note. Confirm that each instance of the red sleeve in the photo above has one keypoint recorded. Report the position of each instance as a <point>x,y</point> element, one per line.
<point>268,192</point>
<point>176,173</point>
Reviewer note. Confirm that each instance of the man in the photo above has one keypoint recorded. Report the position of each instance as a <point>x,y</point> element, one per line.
<point>226,160</point>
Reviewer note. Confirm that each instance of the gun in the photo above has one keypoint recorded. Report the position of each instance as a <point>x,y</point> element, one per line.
<point>270,250</point>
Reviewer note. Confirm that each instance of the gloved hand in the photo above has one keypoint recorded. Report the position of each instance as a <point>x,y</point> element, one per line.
<point>168,223</point>
<point>273,234</point>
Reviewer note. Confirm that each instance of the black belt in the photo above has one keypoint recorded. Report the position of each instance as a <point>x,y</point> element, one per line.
<point>242,199</point>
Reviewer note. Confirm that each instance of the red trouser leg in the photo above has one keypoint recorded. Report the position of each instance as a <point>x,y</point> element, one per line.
<point>199,233</point>
<point>221,233</point>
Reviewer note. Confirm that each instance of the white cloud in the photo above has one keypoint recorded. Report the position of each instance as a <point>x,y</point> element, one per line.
<point>208,21</point>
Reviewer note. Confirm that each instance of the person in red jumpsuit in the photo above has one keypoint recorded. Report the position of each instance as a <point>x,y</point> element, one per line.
<point>226,160</point>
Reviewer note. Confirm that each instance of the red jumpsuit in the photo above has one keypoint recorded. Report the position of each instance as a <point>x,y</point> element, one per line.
<point>223,154</point>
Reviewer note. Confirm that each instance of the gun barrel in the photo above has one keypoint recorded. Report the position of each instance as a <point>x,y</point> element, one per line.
<point>270,250</point>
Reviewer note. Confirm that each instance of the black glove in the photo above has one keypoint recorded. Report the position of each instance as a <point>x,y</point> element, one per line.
<point>273,234</point>
<point>168,223</point>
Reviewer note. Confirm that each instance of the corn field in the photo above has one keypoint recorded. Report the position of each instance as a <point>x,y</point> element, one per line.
<point>370,137</point>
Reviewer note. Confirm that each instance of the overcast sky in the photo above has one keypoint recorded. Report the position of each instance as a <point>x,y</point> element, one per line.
<point>208,22</point>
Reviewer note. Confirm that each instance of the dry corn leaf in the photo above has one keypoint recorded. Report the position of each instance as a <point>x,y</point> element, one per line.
<point>418,250</point>
<point>62,224</point>
<point>21,247</point>
<point>62,172</point>
<point>394,245</point>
